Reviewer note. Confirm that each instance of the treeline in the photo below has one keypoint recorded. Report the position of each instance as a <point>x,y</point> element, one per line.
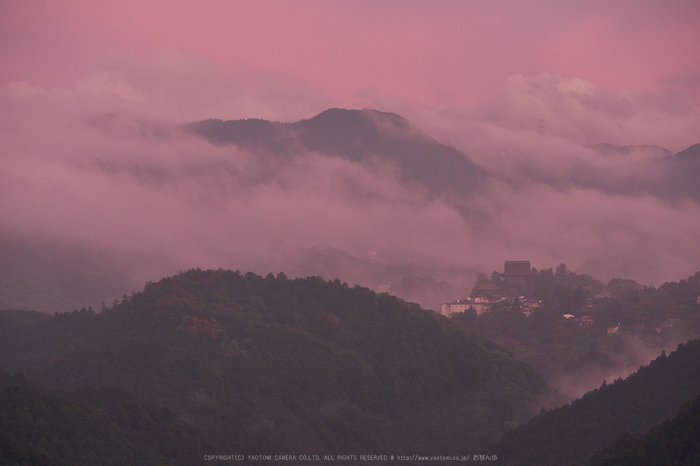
<point>278,365</point>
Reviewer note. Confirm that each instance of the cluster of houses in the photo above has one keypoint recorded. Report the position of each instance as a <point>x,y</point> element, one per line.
<point>487,295</point>
<point>481,305</point>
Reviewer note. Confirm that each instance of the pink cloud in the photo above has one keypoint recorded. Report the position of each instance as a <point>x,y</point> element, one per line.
<point>102,165</point>
<point>450,53</point>
<point>580,111</point>
<point>624,50</point>
<point>91,97</point>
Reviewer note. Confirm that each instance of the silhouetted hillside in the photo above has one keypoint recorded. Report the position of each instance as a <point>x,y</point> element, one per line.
<point>676,442</point>
<point>683,173</point>
<point>669,176</point>
<point>38,427</point>
<point>252,134</point>
<point>613,150</point>
<point>365,135</point>
<point>691,154</point>
<point>571,434</point>
<point>356,135</point>
<point>272,364</point>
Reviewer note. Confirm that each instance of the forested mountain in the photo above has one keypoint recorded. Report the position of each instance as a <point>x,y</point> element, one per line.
<point>676,442</point>
<point>356,135</point>
<point>272,364</point>
<point>571,434</point>
<point>361,135</point>
<point>613,150</point>
<point>682,177</point>
<point>110,427</point>
<point>669,176</point>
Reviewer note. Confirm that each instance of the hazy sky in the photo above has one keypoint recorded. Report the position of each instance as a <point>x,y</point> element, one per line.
<point>311,53</point>
<point>90,93</point>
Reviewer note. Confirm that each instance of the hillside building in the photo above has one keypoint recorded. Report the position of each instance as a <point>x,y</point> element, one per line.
<point>516,270</point>
<point>480,305</point>
<point>487,291</point>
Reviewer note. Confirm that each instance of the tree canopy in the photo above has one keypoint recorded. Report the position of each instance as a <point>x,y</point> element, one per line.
<point>273,364</point>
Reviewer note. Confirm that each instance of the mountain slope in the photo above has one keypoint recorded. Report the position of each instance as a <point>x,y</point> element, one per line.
<point>93,427</point>
<point>675,442</point>
<point>364,135</point>
<point>272,364</point>
<point>570,434</point>
<point>613,150</point>
<point>668,176</point>
<point>359,136</point>
<point>682,175</point>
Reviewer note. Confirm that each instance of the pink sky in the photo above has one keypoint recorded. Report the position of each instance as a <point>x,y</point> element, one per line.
<point>435,53</point>
<point>86,85</point>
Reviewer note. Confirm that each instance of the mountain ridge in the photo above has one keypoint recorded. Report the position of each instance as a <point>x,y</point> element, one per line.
<point>360,135</point>
<point>273,364</point>
<point>355,135</point>
<point>572,433</point>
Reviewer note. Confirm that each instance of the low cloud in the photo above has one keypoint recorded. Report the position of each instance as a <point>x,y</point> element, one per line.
<point>576,110</point>
<point>105,164</point>
<point>634,354</point>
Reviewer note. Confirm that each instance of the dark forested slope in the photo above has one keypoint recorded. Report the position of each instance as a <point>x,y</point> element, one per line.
<point>570,434</point>
<point>676,442</point>
<point>38,427</point>
<point>278,365</point>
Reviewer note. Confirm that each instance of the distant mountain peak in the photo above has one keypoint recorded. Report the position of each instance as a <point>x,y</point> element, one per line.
<point>358,136</point>
<point>613,150</point>
<point>366,116</point>
<point>692,153</point>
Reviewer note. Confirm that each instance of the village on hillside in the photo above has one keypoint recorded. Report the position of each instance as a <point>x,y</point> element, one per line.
<point>487,294</point>
<point>514,287</point>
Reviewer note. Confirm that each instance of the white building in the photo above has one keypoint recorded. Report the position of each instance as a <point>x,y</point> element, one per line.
<point>480,305</point>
